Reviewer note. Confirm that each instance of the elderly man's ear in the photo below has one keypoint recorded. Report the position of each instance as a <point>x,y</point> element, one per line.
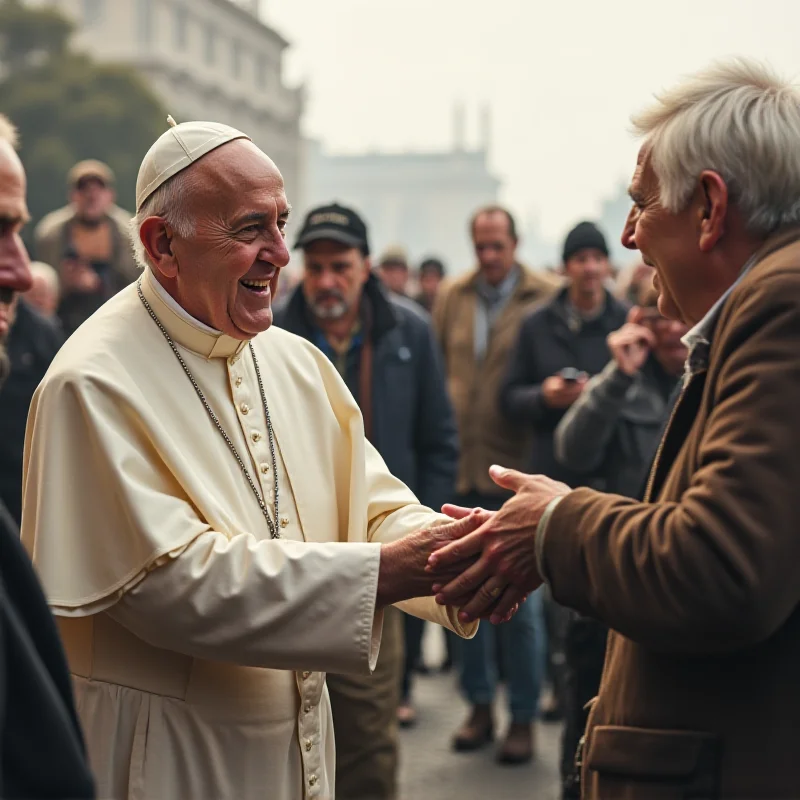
<point>156,237</point>
<point>712,209</point>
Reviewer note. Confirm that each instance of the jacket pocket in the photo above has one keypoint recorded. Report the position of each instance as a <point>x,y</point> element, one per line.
<point>631,763</point>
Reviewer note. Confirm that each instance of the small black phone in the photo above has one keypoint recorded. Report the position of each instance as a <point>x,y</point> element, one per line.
<point>570,374</point>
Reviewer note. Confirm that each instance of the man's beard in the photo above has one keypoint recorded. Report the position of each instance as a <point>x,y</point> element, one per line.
<point>325,311</point>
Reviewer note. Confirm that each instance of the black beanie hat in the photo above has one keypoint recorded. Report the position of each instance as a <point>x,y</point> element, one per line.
<point>584,236</point>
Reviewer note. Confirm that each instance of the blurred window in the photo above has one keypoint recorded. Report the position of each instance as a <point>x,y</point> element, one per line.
<point>181,26</point>
<point>211,44</point>
<point>262,72</point>
<point>93,11</point>
<point>236,58</point>
<point>144,21</point>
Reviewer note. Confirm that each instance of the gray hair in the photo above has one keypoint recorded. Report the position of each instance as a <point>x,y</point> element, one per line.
<point>739,119</point>
<point>8,131</point>
<point>169,203</point>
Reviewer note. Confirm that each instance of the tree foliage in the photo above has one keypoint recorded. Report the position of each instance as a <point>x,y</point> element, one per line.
<point>68,107</point>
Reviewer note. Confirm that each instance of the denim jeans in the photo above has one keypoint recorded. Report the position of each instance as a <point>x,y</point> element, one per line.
<point>522,647</point>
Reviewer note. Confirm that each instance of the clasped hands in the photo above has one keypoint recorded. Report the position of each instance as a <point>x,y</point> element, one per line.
<point>496,555</point>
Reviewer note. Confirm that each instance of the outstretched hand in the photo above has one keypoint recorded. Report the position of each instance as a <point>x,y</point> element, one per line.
<point>402,574</point>
<point>505,571</point>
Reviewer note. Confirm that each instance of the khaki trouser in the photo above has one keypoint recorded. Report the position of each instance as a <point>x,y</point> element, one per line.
<point>365,721</point>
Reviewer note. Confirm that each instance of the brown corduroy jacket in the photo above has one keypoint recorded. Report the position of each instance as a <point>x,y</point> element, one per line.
<point>485,437</point>
<point>700,584</point>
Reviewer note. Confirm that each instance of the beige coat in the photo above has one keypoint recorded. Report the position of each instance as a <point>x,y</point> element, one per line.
<point>49,242</point>
<point>485,436</point>
<point>199,645</point>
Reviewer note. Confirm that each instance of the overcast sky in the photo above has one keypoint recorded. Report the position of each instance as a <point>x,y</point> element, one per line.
<point>561,78</point>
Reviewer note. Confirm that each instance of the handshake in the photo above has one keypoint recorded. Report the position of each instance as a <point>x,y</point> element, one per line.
<point>483,562</point>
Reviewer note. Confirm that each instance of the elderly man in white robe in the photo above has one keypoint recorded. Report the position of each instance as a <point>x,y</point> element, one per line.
<point>212,528</point>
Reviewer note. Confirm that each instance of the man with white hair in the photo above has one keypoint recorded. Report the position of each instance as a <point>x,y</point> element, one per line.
<point>699,696</point>
<point>212,528</point>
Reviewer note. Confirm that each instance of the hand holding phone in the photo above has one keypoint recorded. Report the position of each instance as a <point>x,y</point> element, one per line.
<point>564,388</point>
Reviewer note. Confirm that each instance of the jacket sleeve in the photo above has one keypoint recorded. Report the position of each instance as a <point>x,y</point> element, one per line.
<point>714,571</point>
<point>584,434</point>
<point>436,437</point>
<point>521,399</point>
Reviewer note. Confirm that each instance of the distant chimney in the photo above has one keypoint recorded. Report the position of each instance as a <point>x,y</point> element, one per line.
<point>459,128</point>
<point>486,128</point>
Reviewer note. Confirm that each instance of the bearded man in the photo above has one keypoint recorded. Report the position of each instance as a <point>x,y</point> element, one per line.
<point>213,530</point>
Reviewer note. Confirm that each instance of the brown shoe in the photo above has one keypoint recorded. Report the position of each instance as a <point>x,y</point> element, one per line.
<point>476,732</point>
<point>518,745</point>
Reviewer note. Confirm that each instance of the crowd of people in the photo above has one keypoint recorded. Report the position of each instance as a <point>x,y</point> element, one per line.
<point>188,446</point>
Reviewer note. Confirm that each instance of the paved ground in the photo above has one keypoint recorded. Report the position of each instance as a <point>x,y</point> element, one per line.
<point>431,771</point>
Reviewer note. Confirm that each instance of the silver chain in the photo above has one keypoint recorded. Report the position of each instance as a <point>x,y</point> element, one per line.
<point>273,525</point>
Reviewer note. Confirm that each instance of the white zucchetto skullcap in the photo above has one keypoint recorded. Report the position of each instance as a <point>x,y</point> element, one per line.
<point>178,148</point>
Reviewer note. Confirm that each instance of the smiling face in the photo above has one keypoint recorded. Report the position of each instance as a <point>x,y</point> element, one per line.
<point>226,272</point>
<point>667,241</point>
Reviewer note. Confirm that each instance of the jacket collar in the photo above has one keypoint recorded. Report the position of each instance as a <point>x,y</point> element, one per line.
<point>527,285</point>
<point>184,329</point>
<point>297,318</point>
<point>698,339</point>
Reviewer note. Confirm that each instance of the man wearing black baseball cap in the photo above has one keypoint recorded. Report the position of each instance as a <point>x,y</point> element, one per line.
<point>384,349</point>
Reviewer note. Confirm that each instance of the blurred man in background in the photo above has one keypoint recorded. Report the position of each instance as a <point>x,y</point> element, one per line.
<point>431,275</point>
<point>393,270</point>
<point>477,319</point>
<point>610,434</point>
<point>45,293</point>
<point>558,348</point>
<point>385,351</point>
<point>633,281</point>
<point>88,242</point>
<point>41,746</point>
<point>32,343</point>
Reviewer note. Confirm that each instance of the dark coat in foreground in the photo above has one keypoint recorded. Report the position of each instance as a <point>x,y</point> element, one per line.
<point>41,746</point>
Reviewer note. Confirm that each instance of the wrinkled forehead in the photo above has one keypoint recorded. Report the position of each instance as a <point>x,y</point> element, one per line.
<point>238,178</point>
<point>644,175</point>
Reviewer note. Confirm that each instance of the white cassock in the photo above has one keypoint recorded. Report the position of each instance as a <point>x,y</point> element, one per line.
<point>198,644</point>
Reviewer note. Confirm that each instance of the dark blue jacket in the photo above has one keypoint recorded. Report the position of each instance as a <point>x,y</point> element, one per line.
<point>413,426</point>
